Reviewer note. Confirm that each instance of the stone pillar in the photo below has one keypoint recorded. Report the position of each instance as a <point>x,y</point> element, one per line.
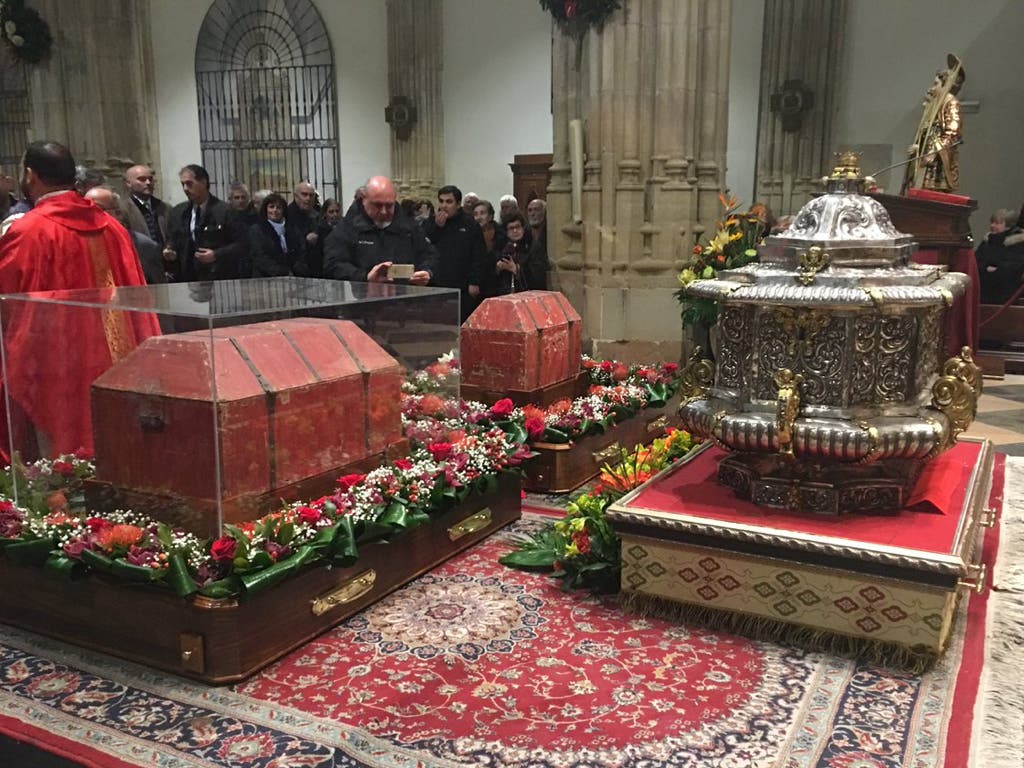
<point>415,46</point>
<point>96,91</point>
<point>652,91</point>
<point>803,42</point>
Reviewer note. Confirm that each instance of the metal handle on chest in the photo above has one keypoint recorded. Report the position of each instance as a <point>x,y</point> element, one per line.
<point>471,524</point>
<point>345,593</point>
<point>613,451</point>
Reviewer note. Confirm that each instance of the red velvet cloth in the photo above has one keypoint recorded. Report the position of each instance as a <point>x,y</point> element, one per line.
<point>691,489</point>
<point>53,352</point>
<point>965,314</point>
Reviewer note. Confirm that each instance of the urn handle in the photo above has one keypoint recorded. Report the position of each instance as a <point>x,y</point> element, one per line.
<point>787,407</point>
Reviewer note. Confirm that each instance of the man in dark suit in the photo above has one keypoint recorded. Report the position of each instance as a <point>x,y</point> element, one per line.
<point>145,213</point>
<point>205,240</point>
<point>145,247</point>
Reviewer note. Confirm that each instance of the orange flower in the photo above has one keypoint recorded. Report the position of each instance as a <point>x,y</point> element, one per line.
<point>57,502</point>
<point>118,537</point>
<point>431,404</point>
<point>560,406</point>
<point>532,412</point>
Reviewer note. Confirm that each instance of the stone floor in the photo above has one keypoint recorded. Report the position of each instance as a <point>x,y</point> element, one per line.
<point>1001,414</point>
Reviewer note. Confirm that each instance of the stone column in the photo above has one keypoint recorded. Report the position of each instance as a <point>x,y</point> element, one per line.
<point>96,91</point>
<point>652,91</point>
<point>803,42</point>
<point>415,46</point>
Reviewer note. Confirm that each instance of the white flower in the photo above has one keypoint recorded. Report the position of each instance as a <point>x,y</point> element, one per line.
<point>10,28</point>
<point>17,40</point>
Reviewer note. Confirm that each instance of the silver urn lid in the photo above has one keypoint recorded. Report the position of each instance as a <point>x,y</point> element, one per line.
<point>828,386</point>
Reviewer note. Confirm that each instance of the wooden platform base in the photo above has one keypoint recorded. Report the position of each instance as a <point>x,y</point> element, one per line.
<point>223,641</point>
<point>883,588</point>
<point>563,467</point>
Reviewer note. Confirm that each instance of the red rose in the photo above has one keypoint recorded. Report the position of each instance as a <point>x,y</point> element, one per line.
<point>620,372</point>
<point>588,364</point>
<point>503,407</point>
<point>347,481</point>
<point>97,524</point>
<point>535,428</point>
<point>64,467</point>
<point>309,515</point>
<point>582,541</point>
<point>223,549</point>
<point>697,250</point>
<point>671,367</point>
<point>403,463</point>
<point>606,366</point>
<point>440,451</point>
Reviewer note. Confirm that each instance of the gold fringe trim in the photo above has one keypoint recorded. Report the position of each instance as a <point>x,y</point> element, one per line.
<point>880,653</point>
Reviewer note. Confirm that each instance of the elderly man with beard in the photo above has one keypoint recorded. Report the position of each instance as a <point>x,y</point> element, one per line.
<point>371,238</point>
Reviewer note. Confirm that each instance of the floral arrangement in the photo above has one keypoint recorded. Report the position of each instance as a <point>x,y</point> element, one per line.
<point>24,31</point>
<point>618,391</point>
<point>734,245</point>
<point>436,377</point>
<point>444,467</point>
<point>581,549</point>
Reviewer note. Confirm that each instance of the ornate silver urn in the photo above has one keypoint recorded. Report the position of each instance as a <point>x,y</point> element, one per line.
<point>828,387</point>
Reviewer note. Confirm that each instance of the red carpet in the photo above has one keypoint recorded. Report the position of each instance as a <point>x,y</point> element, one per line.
<point>475,664</point>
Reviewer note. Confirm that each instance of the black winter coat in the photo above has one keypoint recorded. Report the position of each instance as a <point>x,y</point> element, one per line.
<point>268,258</point>
<point>356,245</point>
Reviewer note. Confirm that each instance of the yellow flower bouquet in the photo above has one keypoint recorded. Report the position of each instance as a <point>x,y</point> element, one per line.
<point>733,245</point>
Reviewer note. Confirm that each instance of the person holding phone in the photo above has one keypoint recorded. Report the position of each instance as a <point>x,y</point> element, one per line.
<point>375,236</point>
<point>514,269</point>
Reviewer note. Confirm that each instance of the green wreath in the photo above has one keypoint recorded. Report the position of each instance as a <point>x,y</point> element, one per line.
<point>24,31</point>
<point>577,16</point>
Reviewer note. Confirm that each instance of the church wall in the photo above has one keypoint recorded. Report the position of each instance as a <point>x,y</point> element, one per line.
<point>497,91</point>
<point>893,52</point>
<point>358,33</point>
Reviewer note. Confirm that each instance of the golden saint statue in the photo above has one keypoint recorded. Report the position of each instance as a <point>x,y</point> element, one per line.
<point>934,155</point>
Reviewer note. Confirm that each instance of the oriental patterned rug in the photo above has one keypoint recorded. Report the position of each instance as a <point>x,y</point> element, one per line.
<point>477,665</point>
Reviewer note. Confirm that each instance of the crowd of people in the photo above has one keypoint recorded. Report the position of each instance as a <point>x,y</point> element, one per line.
<point>453,242</point>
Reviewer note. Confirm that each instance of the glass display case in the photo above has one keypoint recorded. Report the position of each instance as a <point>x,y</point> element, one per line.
<point>207,404</point>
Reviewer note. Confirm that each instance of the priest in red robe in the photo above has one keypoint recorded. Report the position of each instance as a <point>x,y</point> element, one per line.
<point>52,353</point>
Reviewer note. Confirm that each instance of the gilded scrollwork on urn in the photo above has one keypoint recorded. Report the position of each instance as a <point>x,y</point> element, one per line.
<point>829,351</point>
<point>955,393</point>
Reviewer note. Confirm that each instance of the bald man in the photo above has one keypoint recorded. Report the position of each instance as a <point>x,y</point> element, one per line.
<point>147,249</point>
<point>374,236</point>
<point>145,213</point>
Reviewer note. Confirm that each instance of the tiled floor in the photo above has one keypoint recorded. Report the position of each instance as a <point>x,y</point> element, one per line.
<point>1001,414</point>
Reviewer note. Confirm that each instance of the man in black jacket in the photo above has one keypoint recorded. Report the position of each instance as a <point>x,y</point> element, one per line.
<point>460,247</point>
<point>371,238</point>
<point>205,240</point>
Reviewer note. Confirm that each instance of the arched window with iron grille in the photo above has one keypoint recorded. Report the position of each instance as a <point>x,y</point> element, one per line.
<point>267,104</point>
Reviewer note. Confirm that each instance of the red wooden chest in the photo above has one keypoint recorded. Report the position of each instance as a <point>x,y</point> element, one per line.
<point>524,341</point>
<point>278,402</point>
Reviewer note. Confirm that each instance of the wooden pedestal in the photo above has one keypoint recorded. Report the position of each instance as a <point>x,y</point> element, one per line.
<point>563,467</point>
<point>223,641</point>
